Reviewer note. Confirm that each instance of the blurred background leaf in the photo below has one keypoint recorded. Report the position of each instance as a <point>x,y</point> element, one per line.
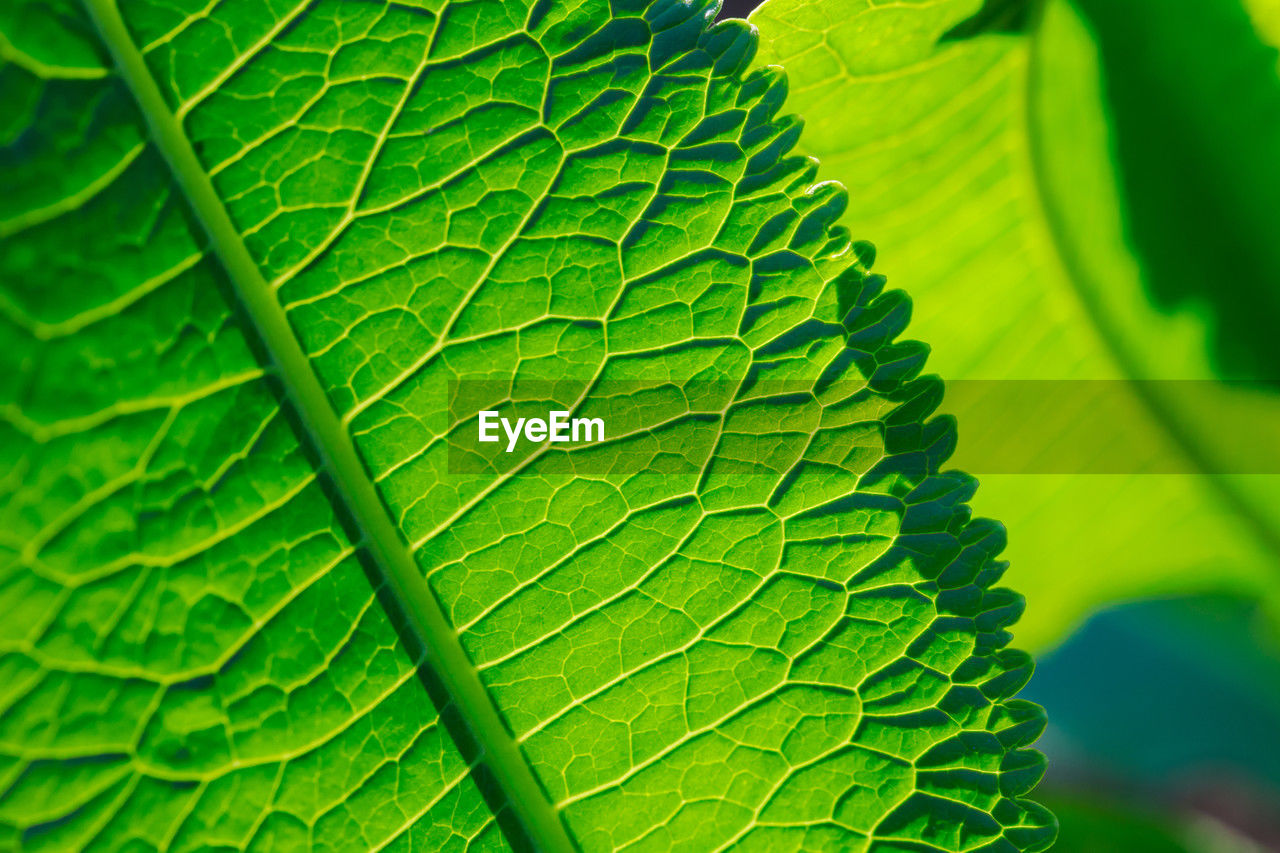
<point>984,170</point>
<point>1087,191</point>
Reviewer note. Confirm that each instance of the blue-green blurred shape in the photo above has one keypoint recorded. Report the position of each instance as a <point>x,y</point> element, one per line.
<point>1168,690</point>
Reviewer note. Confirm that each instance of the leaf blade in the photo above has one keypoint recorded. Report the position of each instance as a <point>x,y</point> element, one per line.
<point>637,682</point>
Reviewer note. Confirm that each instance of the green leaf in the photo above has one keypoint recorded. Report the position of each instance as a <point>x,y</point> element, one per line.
<point>254,256</point>
<point>997,176</point>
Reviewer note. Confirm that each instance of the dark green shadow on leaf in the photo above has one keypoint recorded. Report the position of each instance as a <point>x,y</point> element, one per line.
<point>1197,130</point>
<point>995,16</point>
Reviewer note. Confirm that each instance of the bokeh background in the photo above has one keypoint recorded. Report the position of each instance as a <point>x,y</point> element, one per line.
<point>1081,193</point>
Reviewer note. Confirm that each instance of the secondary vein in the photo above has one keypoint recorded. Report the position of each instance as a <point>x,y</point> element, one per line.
<point>354,488</point>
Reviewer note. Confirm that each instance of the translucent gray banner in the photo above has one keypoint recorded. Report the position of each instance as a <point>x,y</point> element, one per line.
<point>1004,426</point>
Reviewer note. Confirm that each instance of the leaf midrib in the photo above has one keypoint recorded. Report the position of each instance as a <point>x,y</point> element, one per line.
<point>354,488</point>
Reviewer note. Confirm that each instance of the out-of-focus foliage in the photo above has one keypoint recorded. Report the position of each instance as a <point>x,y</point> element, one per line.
<point>1092,825</point>
<point>1083,194</point>
<point>1168,688</point>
